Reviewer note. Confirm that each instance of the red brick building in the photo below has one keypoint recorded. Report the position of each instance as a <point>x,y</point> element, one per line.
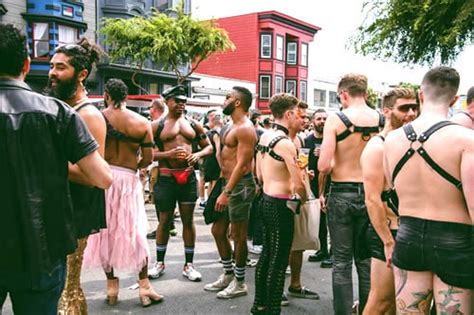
<point>271,50</point>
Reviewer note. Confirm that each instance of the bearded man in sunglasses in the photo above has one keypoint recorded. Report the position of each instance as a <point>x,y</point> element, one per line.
<point>346,134</point>
<point>399,108</point>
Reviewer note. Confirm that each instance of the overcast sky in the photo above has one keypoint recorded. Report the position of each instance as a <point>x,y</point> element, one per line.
<point>330,57</point>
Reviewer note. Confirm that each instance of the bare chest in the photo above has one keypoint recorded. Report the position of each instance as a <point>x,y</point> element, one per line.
<point>177,129</point>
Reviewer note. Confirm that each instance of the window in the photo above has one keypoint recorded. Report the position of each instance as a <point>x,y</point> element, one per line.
<point>40,40</point>
<point>264,87</point>
<point>278,84</point>
<point>265,46</point>
<point>279,48</point>
<point>67,34</point>
<point>291,51</point>
<point>303,92</point>
<point>319,98</point>
<point>304,54</point>
<point>162,5</point>
<point>333,103</point>
<point>291,87</point>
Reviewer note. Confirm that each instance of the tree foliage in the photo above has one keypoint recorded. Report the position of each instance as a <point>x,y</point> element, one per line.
<point>416,31</point>
<point>164,40</point>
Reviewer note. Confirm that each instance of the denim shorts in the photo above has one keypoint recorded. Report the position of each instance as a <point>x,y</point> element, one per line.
<point>444,248</point>
<point>240,201</point>
<point>375,244</point>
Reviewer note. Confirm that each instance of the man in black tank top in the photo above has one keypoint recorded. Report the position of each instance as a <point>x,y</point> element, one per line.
<point>70,67</point>
<point>399,108</point>
<point>430,163</point>
<point>345,135</point>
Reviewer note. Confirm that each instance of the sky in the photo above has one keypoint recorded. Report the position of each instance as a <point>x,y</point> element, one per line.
<point>330,57</point>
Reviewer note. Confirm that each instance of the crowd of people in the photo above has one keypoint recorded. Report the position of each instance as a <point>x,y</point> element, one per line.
<point>395,190</point>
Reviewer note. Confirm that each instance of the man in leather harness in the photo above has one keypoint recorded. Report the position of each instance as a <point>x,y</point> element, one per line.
<point>399,108</point>
<point>345,135</point>
<point>430,163</point>
<point>174,135</point>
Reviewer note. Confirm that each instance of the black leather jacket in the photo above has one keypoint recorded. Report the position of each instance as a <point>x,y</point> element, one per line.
<point>38,136</point>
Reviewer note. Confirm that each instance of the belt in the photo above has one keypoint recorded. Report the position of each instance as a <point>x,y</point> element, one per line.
<point>168,172</point>
<point>346,187</point>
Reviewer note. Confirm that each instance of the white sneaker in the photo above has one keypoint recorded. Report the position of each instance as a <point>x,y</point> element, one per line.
<point>191,273</point>
<point>157,270</point>
<point>222,282</point>
<point>256,249</point>
<point>235,289</point>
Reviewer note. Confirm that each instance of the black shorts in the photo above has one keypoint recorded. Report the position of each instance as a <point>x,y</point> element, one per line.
<point>167,192</point>
<point>375,244</point>
<point>444,248</point>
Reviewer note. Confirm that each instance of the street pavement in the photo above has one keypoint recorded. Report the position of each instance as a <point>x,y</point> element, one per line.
<point>185,297</point>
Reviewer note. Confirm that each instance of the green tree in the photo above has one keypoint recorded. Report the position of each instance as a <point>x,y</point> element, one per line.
<point>416,31</point>
<point>177,44</point>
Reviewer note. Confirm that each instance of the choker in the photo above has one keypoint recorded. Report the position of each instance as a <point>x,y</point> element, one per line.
<point>280,127</point>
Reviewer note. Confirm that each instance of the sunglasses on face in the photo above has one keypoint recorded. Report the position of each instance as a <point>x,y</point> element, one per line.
<point>405,108</point>
<point>338,97</point>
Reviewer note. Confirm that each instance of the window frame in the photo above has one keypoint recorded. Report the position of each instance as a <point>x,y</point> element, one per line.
<point>288,61</point>
<point>295,93</point>
<point>269,35</point>
<point>33,40</point>
<point>321,102</point>
<point>77,34</point>
<point>276,84</point>
<point>304,61</point>
<point>304,91</point>
<point>282,48</point>
<point>260,86</point>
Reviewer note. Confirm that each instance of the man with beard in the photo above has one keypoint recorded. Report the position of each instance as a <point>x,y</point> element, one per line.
<point>345,135</point>
<point>174,136</point>
<point>39,136</point>
<point>399,108</point>
<point>238,141</point>
<point>430,163</point>
<point>70,67</point>
<point>313,143</point>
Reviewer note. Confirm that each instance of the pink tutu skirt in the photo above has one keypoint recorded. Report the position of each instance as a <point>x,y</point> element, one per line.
<point>123,244</point>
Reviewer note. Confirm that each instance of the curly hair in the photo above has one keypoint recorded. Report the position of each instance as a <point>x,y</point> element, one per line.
<point>13,50</point>
<point>82,55</point>
<point>117,90</point>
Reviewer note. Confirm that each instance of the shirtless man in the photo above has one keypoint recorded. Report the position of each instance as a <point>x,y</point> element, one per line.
<point>466,118</point>
<point>296,289</point>
<point>238,144</point>
<point>431,170</point>
<point>123,244</point>
<point>282,183</point>
<point>174,136</point>
<point>399,108</point>
<point>345,135</point>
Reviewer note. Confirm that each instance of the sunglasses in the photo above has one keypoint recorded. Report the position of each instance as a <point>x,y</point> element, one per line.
<point>338,97</point>
<point>406,107</point>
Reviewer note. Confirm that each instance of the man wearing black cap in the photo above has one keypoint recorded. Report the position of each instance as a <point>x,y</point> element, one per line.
<point>174,136</point>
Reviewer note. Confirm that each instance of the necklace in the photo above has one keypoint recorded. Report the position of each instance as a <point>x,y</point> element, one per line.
<point>280,127</point>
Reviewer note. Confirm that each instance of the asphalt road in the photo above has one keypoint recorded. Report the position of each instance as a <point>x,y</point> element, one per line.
<point>185,297</point>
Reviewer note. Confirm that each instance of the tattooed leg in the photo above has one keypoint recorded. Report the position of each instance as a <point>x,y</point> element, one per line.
<point>414,291</point>
<point>452,300</point>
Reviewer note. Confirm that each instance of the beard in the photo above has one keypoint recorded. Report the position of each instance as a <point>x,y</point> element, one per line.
<point>319,128</point>
<point>395,122</point>
<point>229,109</point>
<point>64,89</point>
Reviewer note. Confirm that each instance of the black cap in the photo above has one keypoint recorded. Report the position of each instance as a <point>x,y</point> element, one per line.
<point>177,92</point>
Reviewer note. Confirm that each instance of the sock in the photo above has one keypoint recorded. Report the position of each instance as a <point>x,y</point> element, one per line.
<point>160,252</point>
<point>239,273</point>
<point>189,254</point>
<point>228,268</point>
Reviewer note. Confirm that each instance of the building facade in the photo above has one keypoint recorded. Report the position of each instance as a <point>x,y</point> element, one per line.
<point>272,50</point>
<point>52,23</point>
